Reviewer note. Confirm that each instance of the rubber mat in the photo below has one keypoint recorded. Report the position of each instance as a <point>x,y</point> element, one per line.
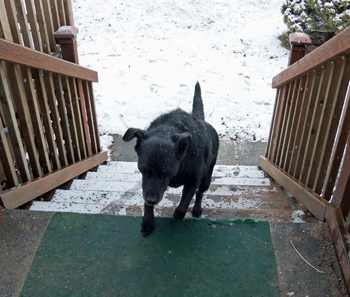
<point>105,255</point>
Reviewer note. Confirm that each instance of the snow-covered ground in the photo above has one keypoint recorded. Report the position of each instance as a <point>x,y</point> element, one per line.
<point>149,55</point>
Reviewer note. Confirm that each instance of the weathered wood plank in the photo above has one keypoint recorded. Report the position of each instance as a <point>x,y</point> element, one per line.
<point>329,125</point>
<point>13,22</point>
<point>340,235</point>
<point>306,133</point>
<point>19,195</point>
<point>313,202</point>
<point>28,57</point>
<point>22,88</point>
<point>92,117</point>
<point>32,18</point>
<point>46,118</point>
<point>303,125</point>
<point>5,30</point>
<point>78,117</point>
<point>23,22</point>
<point>49,24</point>
<point>51,94</point>
<point>55,15</point>
<point>31,110</point>
<point>341,196</point>
<point>71,117</point>
<point>295,114</point>
<point>312,129</point>
<point>288,122</point>
<point>337,46</point>
<point>320,114</point>
<point>84,117</point>
<point>60,96</point>
<point>275,136</point>
<point>11,121</point>
<point>341,140</point>
<point>6,158</point>
<point>61,13</point>
<point>273,123</point>
<point>37,121</point>
<point>68,12</point>
<point>282,138</point>
<point>46,48</point>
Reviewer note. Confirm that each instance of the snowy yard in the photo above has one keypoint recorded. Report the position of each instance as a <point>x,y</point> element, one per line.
<point>149,55</point>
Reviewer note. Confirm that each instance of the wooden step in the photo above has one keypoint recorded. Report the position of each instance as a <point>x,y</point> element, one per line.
<point>235,192</point>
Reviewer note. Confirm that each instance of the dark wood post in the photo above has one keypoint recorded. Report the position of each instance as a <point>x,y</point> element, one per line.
<point>298,46</point>
<point>66,37</point>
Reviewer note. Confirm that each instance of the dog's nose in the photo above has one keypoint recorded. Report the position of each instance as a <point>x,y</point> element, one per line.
<point>151,199</point>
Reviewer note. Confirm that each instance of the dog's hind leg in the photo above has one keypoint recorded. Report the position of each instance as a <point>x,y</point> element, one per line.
<point>204,186</point>
<point>187,195</point>
<point>147,225</point>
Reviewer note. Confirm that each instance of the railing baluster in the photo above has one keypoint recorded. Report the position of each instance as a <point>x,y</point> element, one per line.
<point>282,140</point>
<point>273,123</point>
<point>12,125</point>
<point>341,136</point>
<point>329,124</point>
<point>312,130</point>
<point>71,117</point>
<point>301,114</point>
<point>293,121</point>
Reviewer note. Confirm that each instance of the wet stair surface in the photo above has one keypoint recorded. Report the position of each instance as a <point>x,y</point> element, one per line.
<point>236,192</point>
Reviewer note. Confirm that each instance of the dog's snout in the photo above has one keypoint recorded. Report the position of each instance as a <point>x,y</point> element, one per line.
<point>151,199</point>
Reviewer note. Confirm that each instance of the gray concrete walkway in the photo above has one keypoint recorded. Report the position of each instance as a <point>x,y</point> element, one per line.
<point>230,152</point>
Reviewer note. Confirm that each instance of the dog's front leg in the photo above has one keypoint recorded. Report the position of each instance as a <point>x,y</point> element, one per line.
<point>147,225</point>
<point>187,195</point>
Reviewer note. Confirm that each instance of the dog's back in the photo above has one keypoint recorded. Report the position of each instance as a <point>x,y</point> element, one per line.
<point>203,148</point>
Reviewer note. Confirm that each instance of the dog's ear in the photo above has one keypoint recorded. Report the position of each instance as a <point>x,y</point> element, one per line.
<point>181,143</point>
<point>131,133</point>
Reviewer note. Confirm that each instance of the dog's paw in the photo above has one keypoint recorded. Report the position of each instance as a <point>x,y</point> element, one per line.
<point>196,212</point>
<point>179,215</point>
<point>147,227</point>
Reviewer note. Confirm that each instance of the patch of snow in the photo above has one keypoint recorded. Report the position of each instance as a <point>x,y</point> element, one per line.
<point>298,216</point>
<point>242,203</point>
<point>149,55</point>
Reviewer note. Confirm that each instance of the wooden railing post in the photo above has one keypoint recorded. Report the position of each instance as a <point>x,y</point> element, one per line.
<point>298,46</point>
<point>66,37</point>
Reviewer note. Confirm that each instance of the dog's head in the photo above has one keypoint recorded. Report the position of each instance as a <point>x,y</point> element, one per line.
<point>159,159</point>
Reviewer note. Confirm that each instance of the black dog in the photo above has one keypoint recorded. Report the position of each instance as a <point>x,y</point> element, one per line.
<point>177,149</point>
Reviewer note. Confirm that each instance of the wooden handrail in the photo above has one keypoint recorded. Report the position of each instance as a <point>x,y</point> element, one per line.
<point>337,46</point>
<point>15,53</point>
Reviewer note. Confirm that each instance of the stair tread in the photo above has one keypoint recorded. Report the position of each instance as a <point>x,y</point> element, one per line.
<point>118,185</point>
<point>276,198</point>
<point>235,192</point>
<point>272,215</point>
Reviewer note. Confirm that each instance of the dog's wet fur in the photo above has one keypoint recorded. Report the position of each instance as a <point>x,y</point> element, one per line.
<point>178,149</point>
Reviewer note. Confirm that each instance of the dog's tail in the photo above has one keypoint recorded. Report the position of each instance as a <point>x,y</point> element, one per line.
<point>197,107</point>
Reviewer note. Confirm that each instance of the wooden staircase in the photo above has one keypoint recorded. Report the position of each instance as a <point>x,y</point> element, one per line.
<point>236,192</point>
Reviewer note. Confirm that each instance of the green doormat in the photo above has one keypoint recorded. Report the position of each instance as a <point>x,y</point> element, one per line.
<point>104,255</point>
